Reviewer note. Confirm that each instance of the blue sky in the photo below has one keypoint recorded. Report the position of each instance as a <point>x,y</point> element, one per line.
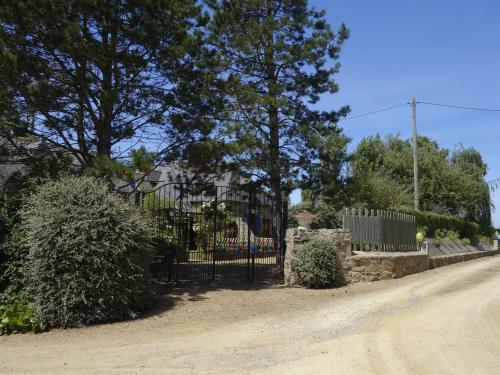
<point>437,51</point>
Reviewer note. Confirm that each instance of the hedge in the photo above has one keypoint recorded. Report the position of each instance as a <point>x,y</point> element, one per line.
<point>433,222</point>
<point>89,253</point>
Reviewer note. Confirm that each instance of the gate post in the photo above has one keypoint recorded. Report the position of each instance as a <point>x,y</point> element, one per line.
<point>214,252</point>
<point>249,209</point>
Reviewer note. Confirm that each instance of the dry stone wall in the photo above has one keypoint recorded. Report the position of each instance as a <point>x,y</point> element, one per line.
<point>374,266</point>
<point>361,266</point>
<point>446,260</point>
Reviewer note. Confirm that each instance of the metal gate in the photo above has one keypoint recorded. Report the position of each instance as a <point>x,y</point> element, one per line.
<point>215,233</point>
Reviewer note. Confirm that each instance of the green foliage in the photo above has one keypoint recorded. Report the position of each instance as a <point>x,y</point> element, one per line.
<point>14,256</point>
<point>326,217</point>
<point>18,316</point>
<point>104,167</point>
<point>422,229</point>
<point>486,240</point>
<point>440,233</point>
<point>328,183</point>
<point>466,242</point>
<point>213,220</point>
<point>452,235</point>
<point>12,196</point>
<point>316,263</point>
<point>94,73</point>
<point>452,185</point>
<point>435,222</point>
<point>142,160</point>
<point>274,63</point>
<point>89,253</point>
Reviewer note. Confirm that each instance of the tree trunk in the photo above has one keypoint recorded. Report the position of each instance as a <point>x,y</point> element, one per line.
<point>274,138</point>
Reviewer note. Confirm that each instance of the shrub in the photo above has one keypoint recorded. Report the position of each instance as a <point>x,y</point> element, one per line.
<point>315,263</point>
<point>486,240</point>
<point>89,253</point>
<point>452,235</point>
<point>466,241</point>
<point>440,233</point>
<point>11,267</point>
<point>17,316</point>
<point>433,222</point>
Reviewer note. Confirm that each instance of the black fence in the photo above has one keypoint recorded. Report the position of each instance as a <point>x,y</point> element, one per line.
<point>215,233</point>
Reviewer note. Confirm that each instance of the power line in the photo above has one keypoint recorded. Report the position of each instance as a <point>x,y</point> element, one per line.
<point>461,107</point>
<point>373,112</point>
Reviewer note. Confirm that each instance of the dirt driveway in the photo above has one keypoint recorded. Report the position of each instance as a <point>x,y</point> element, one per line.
<point>445,321</point>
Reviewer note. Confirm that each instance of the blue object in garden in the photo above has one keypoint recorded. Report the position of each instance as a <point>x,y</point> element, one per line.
<point>254,248</point>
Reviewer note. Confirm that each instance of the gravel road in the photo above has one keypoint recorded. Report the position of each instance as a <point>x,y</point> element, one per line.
<point>444,321</point>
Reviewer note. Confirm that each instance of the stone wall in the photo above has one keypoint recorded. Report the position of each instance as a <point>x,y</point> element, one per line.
<point>374,266</point>
<point>297,237</point>
<point>446,260</point>
<point>359,266</point>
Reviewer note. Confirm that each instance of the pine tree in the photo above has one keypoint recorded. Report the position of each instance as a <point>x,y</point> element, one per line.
<point>91,76</point>
<point>275,60</point>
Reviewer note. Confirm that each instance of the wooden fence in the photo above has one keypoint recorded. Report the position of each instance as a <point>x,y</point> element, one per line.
<point>381,230</point>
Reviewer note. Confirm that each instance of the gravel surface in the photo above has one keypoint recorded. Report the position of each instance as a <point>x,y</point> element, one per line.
<point>444,321</point>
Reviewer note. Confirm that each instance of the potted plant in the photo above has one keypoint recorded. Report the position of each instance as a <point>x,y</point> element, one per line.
<point>305,218</point>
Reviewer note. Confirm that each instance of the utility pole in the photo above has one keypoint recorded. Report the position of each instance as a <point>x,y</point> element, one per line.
<point>415,159</point>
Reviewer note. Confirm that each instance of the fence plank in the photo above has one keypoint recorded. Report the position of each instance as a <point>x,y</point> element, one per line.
<point>380,229</point>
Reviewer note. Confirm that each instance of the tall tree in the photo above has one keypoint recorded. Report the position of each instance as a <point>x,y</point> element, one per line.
<point>88,76</point>
<point>329,181</point>
<point>275,58</point>
<point>452,184</point>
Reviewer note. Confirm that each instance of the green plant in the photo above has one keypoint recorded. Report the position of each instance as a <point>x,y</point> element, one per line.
<point>315,263</point>
<point>437,242</point>
<point>434,222</point>
<point>486,240</point>
<point>440,233</point>
<point>466,242</point>
<point>89,253</point>
<point>452,235</point>
<point>18,316</point>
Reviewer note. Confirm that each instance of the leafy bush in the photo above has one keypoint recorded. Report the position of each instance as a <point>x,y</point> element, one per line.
<point>440,233</point>
<point>466,242</point>
<point>452,234</point>
<point>486,240</point>
<point>315,263</point>
<point>14,256</point>
<point>326,217</point>
<point>434,221</point>
<point>18,316</point>
<point>89,253</point>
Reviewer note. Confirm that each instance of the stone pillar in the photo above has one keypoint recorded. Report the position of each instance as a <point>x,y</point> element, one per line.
<point>297,237</point>
<point>495,244</point>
